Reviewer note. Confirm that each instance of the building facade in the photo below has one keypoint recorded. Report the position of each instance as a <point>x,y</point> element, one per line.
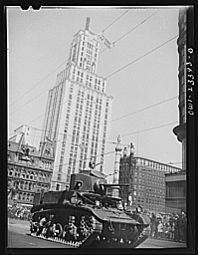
<point>29,170</point>
<point>78,110</point>
<point>176,191</point>
<point>180,130</point>
<point>146,182</point>
<point>176,184</point>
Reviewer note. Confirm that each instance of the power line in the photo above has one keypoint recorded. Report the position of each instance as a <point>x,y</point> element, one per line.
<point>45,77</point>
<point>137,59</point>
<point>115,21</point>
<point>145,108</point>
<point>36,84</point>
<point>139,24</point>
<point>88,158</point>
<point>29,101</point>
<point>50,73</point>
<point>36,97</point>
<point>70,135</point>
<point>148,129</point>
<point>124,116</point>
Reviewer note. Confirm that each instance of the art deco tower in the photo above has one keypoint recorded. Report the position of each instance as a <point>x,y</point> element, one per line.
<point>78,110</point>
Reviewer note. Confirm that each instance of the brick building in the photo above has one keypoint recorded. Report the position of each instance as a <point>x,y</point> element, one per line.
<point>146,180</point>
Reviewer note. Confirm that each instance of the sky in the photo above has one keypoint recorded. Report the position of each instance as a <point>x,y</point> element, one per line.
<point>145,90</point>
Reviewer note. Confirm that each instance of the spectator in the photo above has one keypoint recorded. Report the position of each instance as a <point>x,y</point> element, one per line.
<point>153,225</point>
<point>172,231</point>
<point>160,229</point>
<point>167,232</point>
<point>181,227</point>
<point>176,233</point>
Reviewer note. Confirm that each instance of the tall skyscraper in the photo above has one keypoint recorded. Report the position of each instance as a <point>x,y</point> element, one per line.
<point>78,110</point>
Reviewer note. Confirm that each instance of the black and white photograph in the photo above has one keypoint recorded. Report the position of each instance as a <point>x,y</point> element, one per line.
<point>98,101</point>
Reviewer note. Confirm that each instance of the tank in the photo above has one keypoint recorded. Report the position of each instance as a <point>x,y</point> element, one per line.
<point>87,215</point>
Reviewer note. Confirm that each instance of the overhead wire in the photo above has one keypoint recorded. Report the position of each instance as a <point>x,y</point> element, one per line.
<point>149,129</point>
<point>124,116</point>
<point>66,61</point>
<point>145,108</point>
<point>115,21</point>
<point>50,73</point>
<point>134,60</point>
<point>38,83</point>
<point>88,158</point>
<point>131,30</point>
<point>141,57</point>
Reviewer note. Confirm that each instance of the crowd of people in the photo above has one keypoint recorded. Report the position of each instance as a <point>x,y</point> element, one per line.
<point>19,212</point>
<point>170,226</point>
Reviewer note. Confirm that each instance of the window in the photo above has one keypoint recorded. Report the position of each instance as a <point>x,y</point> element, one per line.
<point>59,177</point>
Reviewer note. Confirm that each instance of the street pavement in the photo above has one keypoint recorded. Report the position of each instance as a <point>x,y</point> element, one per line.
<point>160,243</point>
<point>18,238</point>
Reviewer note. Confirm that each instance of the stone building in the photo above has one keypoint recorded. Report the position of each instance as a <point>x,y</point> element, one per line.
<point>29,170</point>
<point>176,184</point>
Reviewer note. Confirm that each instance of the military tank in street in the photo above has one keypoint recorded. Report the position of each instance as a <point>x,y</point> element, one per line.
<point>86,215</point>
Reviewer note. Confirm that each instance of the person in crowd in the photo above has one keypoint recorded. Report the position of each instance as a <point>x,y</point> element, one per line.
<point>160,229</point>
<point>167,232</point>
<point>181,227</point>
<point>153,225</point>
<point>176,232</point>
<point>172,231</point>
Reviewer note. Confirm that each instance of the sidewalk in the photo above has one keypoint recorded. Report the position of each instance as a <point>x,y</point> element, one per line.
<point>16,225</point>
<point>166,239</point>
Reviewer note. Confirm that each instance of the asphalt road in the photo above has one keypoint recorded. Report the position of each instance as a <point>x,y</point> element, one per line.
<point>18,238</point>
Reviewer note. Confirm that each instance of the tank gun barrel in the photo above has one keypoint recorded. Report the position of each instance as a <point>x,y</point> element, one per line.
<point>114,185</point>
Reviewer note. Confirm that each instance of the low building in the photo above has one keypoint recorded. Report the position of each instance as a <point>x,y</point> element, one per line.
<point>29,169</point>
<point>146,182</point>
<point>176,191</point>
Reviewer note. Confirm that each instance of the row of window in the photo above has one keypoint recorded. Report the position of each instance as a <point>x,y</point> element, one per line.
<point>87,77</point>
<point>76,132</point>
<point>150,177</point>
<point>27,185</point>
<point>95,85</point>
<point>25,197</point>
<point>66,128</point>
<point>87,122</point>
<point>25,174</point>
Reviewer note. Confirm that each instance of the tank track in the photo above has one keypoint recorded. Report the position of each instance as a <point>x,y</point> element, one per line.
<point>57,240</point>
<point>93,240</point>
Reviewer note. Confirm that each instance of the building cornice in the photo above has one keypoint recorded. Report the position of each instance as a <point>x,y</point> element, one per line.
<point>180,132</point>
